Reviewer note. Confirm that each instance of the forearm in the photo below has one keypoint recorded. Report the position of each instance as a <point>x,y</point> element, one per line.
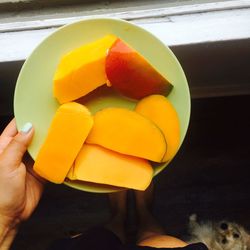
<point>7,235</point>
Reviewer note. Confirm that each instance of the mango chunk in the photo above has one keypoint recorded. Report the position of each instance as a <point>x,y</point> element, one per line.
<point>67,133</point>
<point>127,132</point>
<point>160,111</point>
<point>99,165</point>
<point>82,70</point>
<point>132,74</point>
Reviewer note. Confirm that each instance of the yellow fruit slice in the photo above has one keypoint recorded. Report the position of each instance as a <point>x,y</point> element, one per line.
<point>127,132</point>
<point>82,70</point>
<point>160,111</point>
<point>67,133</point>
<point>99,165</point>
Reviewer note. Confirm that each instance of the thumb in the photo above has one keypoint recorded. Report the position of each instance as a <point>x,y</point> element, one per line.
<point>11,157</point>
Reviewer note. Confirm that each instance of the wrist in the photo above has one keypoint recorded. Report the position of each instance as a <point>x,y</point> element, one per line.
<point>8,231</point>
<point>8,222</point>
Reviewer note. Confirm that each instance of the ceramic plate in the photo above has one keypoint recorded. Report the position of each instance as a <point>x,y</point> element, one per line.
<point>34,101</point>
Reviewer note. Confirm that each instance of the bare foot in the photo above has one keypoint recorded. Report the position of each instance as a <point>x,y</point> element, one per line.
<point>144,199</point>
<point>118,208</point>
<point>148,226</point>
<point>150,232</point>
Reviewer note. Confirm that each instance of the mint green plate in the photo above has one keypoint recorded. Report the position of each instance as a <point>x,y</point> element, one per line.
<point>34,101</point>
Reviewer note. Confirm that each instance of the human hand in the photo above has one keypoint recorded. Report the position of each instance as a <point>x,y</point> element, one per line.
<point>20,188</point>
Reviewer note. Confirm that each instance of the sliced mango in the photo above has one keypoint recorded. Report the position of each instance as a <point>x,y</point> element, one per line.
<point>82,70</point>
<point>131,73</point>
<point>160,111</point>
<point>128,132</point>
<point>99,165</point>
<point>67,133</point>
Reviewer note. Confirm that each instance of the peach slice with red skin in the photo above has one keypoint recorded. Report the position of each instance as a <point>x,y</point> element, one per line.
<point>131,74</point>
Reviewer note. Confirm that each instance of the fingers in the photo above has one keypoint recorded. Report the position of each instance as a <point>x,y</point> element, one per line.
<point>12,155</point>
<point>9,132</point>
<point>4,141</point>
<point>37,177</point>
<point>29,162</point>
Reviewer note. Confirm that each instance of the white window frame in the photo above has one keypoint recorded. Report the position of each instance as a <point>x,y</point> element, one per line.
<point>178,25</point>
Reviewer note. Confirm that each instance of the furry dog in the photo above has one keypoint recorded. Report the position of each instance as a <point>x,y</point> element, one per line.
<point>223,235</point>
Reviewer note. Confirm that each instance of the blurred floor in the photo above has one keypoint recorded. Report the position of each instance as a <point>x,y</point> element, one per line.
<point>209,176</point>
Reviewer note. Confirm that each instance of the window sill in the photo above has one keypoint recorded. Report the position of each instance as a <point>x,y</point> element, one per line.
<point>175,26</point>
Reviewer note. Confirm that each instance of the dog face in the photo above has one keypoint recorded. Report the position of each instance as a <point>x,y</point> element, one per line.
<point>221,235</point>
<point>230,236</point>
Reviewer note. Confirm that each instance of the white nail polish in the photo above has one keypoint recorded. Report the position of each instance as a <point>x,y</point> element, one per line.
<point>26,127</point>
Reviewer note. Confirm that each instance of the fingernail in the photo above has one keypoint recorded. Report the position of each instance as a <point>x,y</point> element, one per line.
<point>26,127</point>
